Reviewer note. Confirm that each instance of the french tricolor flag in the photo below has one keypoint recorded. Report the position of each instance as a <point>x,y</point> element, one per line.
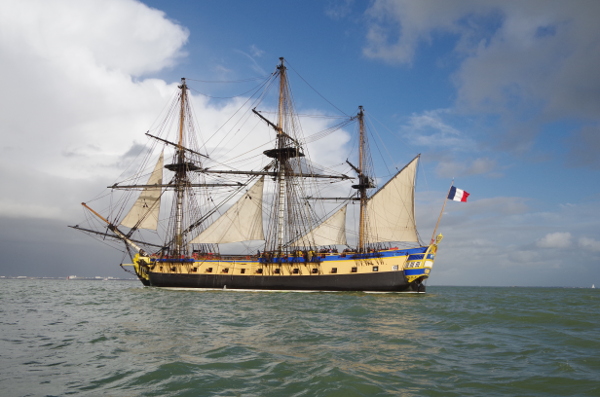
<point>457,194</point>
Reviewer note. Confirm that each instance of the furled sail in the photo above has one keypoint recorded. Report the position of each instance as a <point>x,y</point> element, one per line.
<point>391,210</point>
<point>332,231</point>
<point>145,211</point>
<point>241,222</point>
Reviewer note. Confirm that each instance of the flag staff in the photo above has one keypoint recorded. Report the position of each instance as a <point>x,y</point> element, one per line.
<point>441,213</point>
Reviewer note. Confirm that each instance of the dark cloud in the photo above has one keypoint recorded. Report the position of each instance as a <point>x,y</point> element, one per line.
<point>585,148</point>
<point>529,63</point>
<point>48,248</point>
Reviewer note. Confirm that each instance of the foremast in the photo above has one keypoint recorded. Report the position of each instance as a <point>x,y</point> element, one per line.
<point>185,162</point>
<point>185,210</point>
<point>180,175</point>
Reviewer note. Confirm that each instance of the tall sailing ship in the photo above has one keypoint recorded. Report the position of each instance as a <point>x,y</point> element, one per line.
<point>278,207</point>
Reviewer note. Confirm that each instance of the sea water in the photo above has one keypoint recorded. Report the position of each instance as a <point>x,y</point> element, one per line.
<point>117,338</point>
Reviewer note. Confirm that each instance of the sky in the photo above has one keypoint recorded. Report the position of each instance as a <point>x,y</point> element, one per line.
<point>501,96</point>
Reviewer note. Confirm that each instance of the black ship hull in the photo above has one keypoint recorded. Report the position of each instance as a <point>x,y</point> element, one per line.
<point>375,282</point>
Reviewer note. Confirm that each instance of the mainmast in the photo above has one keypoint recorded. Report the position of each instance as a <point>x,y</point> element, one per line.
<point>180,174</point>
<point>364,181</point>
<point>281,142</point>
<point>180,181</point>
<point>290,218</point>
<point>283,152</point>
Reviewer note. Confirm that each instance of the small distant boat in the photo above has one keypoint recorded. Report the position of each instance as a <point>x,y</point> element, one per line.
<point>300,250</point>
<point>593,286</point>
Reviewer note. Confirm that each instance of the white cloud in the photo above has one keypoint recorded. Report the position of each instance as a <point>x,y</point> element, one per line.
<point>254,53</point>
<point>69,69</point>
<point>123,35</point>
<point>75,101</point>
<point>338,9</point>
<point>505,241</point>
<point>70,107</point>
<point>542,57</point>
<point>14,209</point>
<point>529,62</point>
<point>454,168</point>
<point>555,240</point>
<point>432,130</point>
<point>589,244</point>
<point>399,26</point>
